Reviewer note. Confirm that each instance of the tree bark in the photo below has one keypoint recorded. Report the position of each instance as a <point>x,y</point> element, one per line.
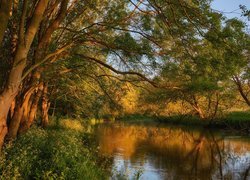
<point>39,55</point>
<point>45,106</point>
<point>3,130</point>
<point>15,76</point>
<point>240,89</point>
<point>21,114</point>
<point>14,123</point>
<point>195,105</point>
<point>199,111</point>
<point>33,110</point>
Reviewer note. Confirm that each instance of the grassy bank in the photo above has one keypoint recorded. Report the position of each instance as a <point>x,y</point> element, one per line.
<point>234,120</point>
<point>62,151</point>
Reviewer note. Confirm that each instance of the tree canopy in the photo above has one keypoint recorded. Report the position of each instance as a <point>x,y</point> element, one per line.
<point>92,58</point>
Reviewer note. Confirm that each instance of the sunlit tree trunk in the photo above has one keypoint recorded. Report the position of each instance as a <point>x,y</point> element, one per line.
<point>10,91</point>
<point>45,106</point>
<point>12,109</point>
<point>15,121</point>
<point>199,111</point>
<point>241,90</point>
<point>195,105</point>
<point>15,76</point>
<point>33,110</point>
<point>21,114</point>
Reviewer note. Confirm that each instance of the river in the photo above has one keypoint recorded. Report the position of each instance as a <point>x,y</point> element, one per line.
<point>156,151</point>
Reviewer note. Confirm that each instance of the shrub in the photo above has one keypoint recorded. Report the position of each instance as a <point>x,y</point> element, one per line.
<point>54,153</point>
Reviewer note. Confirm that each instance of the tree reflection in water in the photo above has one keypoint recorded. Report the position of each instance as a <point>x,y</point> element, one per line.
<point>174,152</point>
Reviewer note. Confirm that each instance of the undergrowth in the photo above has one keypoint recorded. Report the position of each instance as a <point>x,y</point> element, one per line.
<point>59,152</point>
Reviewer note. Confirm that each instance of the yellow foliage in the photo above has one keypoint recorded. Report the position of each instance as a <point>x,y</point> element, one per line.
<point>94,121</point>
<point>130,100</point>
<point>71,124</point>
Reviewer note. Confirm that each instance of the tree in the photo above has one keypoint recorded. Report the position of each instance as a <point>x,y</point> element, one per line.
<point>203,68</point>
<point>236,54</point>
<point>48,31</point>
<point>130,38</point>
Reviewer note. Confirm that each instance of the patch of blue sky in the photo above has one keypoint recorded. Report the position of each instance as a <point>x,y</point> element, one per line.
<point>231,8</point>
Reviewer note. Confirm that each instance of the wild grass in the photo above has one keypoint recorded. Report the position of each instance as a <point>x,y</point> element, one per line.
<point>59,152</point>
<point>71,124</point>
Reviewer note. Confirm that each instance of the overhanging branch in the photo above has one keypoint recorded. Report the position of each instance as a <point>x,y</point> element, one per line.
<point>154,84</point>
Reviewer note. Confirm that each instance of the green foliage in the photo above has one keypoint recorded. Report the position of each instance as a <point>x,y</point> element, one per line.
<point>55,153</point>
<point>234,120</point>
<point>240,116</point>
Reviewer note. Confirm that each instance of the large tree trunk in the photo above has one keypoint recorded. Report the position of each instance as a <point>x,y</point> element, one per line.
<point>14,123</point>
<point>40,54</point>
<point>11,89</point>
<point>21,114</point>
<point>15,76</point>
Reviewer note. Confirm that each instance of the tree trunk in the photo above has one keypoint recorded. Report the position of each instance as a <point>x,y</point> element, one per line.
<point>199,111</point>
<point>3,130</point>
<point>12,108</point>
<point>6,99</point>
<point>45,106</point>
<point>216,106</point>
<point>11,112</point>
<point>33,110</point>
<point>240,89</point>
<point>21,114</point>
<point>15,76</point>
<point>14,123</point>
<point>194,103</point>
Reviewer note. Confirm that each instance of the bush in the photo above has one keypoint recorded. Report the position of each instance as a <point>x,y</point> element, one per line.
<point>55,153</point>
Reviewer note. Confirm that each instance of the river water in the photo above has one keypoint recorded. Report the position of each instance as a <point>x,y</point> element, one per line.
<point>156,151</point>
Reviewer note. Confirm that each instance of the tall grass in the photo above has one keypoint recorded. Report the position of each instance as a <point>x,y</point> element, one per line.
<point>55,153</point>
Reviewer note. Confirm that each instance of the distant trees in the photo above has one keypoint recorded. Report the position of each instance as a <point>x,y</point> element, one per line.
<point>206,72</point>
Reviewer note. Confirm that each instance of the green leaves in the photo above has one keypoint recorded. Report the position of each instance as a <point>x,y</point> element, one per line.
<point>201,85</point>
<point>54,153</point>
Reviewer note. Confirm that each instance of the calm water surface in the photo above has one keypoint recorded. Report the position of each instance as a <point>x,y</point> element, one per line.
<point>160,152</point>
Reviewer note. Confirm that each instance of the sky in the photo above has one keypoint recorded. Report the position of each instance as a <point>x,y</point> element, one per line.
<point>231,8</point>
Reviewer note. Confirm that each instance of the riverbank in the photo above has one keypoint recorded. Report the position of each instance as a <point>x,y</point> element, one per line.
<point>237,121</point>
<point>62,151</point>
<point>65,150</point>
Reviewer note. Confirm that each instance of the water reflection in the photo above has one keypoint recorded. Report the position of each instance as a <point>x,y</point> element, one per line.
<point>173,153</point>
